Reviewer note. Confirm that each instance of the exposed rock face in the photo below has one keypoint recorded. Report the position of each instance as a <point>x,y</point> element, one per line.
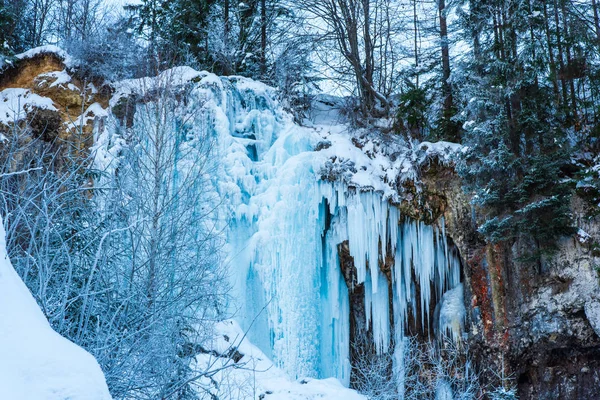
<point>72,104</point>
<point>361,336</point>
<point>536,322</point>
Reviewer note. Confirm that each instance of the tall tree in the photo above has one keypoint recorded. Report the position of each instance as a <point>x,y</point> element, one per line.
<point>513,126</point>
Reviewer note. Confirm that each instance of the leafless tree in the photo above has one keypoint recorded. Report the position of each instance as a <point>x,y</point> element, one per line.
<point>125,262</point>
<point>169,286</point>
<point>40,20</point>
<point>78,20</point>
<point>44,191</point>
<point>363,33</point>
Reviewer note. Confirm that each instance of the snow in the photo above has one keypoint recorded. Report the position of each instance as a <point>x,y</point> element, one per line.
<point>35,361</point>
<point>442,151</point>
<point>91,114</point>
<point>57,78</point>
<point>171,78</point>
<point>583,237</point>
<point>15,103</point>
<point>253,376</point>
<point>68,61</point>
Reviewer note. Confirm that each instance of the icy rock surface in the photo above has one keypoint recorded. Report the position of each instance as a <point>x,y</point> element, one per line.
<point>289,195</point>
<point>35,361</point>
<point>452,313</point>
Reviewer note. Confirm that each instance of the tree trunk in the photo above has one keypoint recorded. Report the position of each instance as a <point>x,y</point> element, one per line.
<point>571,78</point>
<point>415,27</point>
<point>226,38</point>
<point>561,61</point>
<point>553,71</point>
<point>263,39</point>
<point>446,88</point>
<point>532,38</point>
<point>227,24</point>
<point>596,20</point>
<point>369,56</point>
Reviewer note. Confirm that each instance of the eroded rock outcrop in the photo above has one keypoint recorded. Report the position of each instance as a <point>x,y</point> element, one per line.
<point>43,97</point>
<point>535,322</point>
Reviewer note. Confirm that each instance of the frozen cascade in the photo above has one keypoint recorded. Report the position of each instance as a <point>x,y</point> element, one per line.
<point>290,263</point>
<point>284,229</point>
<point>284,223</point>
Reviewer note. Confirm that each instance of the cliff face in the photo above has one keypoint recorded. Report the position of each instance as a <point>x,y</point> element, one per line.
<point>535,322</point>
<point>43,96</point>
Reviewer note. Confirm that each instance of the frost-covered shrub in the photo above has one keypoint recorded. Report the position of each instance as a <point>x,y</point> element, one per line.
<point>439,372</point>
<point>112,55</point>
<point>373,374</point>
<point>417,371</point>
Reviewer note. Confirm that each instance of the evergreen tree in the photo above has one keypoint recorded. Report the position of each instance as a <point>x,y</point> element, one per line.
<point>181,26</point>
<point>11,25</point>
<point>516,135</point>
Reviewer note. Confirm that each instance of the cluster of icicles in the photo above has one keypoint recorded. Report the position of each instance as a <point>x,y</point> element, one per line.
<point>421,257</point>
<point>294,272</point>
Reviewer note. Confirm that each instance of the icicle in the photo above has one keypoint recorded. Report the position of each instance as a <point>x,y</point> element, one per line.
<point>441,264</point>
<point>368,300</point>
<point>424,268</point>
<point>335,340</point>
<point>381,315</point>
<point>393,229</point>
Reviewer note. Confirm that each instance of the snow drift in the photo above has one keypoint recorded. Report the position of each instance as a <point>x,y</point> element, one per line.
<point>35,361</point>
<point>249,374</point>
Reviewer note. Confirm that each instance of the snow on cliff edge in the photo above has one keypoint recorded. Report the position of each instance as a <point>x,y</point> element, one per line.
<point>35,361</point>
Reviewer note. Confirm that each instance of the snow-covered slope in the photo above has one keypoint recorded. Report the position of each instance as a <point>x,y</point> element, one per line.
<point>248,374</point>
<point>36,363</point>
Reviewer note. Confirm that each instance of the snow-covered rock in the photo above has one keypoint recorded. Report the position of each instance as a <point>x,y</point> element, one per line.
<point>15,103</point>
<point>35,361</point>
<point>49,49</point>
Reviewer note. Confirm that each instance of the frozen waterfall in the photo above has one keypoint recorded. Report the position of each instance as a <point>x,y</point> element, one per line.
<point>284,230</point>
<point>284,219</point>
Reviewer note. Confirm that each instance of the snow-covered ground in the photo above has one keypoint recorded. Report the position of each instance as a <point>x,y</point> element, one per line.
<point>248,374</point>
<point>35,361</point>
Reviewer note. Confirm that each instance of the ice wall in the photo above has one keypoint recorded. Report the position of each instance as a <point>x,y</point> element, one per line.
<point>283,223</point>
